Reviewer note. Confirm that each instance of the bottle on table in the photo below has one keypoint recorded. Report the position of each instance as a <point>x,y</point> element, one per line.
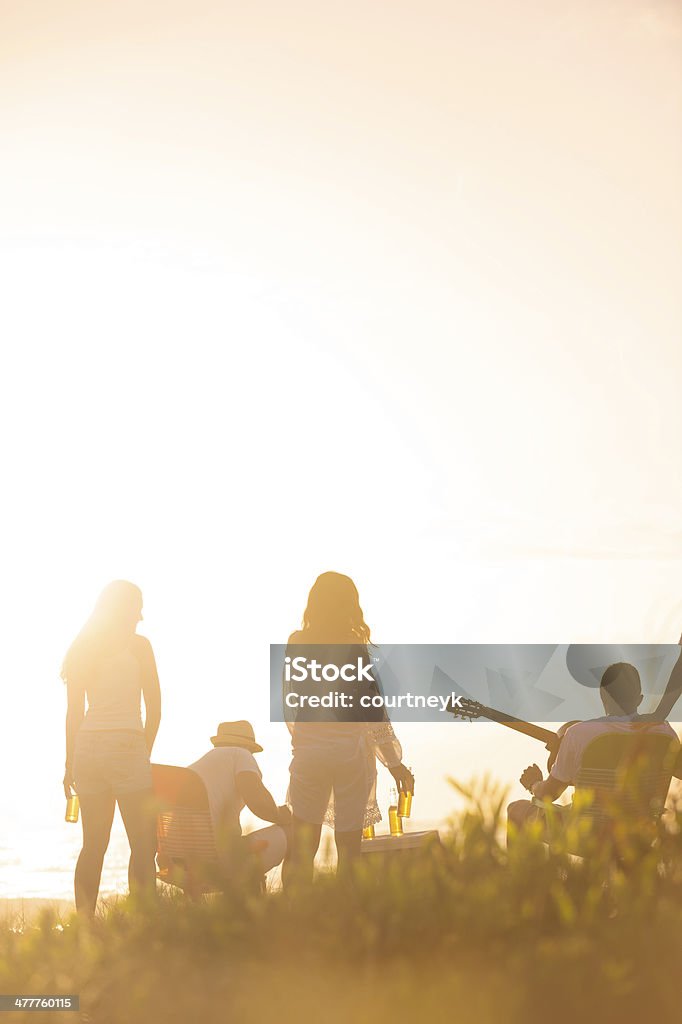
<point>394,821</point>
<point>368,832</point>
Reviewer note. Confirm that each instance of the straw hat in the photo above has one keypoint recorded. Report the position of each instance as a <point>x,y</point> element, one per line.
<point>236,734</point>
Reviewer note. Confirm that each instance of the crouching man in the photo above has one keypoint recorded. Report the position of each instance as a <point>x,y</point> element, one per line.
<point>233,781</point>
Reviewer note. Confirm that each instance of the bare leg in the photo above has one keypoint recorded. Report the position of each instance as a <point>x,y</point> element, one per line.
<point>298,863</point>
<point>140,825</point>
<point>348,849</point>
<point>98,814</point>
<point>519,813</point>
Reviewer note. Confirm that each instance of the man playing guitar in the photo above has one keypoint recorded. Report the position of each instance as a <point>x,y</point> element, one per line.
<point>621,694</point>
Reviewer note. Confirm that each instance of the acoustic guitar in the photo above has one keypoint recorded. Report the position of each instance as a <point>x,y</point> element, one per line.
<point>472,709</point>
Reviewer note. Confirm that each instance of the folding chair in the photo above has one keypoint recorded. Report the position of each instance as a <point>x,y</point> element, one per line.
<point>185,843</point>
<point>187,854</point>
<point>625,778</point>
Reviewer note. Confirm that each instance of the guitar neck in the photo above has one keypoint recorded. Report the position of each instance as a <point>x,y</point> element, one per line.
<point>527,728</point>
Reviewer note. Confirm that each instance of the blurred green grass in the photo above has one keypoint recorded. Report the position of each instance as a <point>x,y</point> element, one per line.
<point>470,931</point>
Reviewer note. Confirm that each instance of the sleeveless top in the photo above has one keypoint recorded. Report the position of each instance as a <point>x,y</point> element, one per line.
<point>114,694</point>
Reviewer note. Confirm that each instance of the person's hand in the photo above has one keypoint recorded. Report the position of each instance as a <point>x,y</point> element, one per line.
<point>530,776</point>
<point>284,816</point>
<point>404,777</point>
<point>69,788</point>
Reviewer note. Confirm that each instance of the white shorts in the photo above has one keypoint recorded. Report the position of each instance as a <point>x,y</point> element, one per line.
<point>113,762</point>
<point>270,844</point>
<point>321,773</point>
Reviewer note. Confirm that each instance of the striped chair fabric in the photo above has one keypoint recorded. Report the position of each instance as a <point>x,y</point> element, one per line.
<point>184,830</point>
<point>627,775</point>
<point>184,834</point>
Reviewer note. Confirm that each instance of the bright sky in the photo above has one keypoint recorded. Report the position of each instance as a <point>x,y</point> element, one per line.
<point>390,289</point>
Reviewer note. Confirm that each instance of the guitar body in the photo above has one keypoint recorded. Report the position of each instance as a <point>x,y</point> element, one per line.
<point>677,770</point>
<point>554,745</point>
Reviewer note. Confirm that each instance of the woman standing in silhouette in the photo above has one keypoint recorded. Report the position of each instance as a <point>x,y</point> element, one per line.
<point>107,746</point>
<point>333,769</point>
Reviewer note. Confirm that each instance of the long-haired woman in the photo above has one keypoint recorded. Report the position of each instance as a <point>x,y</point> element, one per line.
<point>333,768</point>
<point>107,746</point>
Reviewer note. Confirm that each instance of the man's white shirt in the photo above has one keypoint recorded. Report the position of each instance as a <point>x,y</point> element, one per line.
<point>578,736</point>
<point>218,770</point>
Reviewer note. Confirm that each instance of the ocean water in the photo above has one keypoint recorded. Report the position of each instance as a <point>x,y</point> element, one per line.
<point>39,862</point>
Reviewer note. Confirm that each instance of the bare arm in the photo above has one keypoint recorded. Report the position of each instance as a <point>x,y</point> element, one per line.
<point>549,789</point>
<point>151,691</point>
<point>258,799</point>
<point>75,712</point>
<point>544,789</point>
<point>672,691</point>
<point>386,744</point>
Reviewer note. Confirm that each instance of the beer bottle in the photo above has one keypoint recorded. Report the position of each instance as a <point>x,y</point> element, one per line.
<point>72,809</point>
<point>394,823</point>
<point>405,802</point>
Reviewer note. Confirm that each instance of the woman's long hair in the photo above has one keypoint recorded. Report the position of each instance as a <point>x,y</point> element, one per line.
<point>333,613</point>
<point>107,630</point>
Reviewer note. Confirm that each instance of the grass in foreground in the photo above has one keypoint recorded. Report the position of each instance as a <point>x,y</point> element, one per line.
<point>472,932</point>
